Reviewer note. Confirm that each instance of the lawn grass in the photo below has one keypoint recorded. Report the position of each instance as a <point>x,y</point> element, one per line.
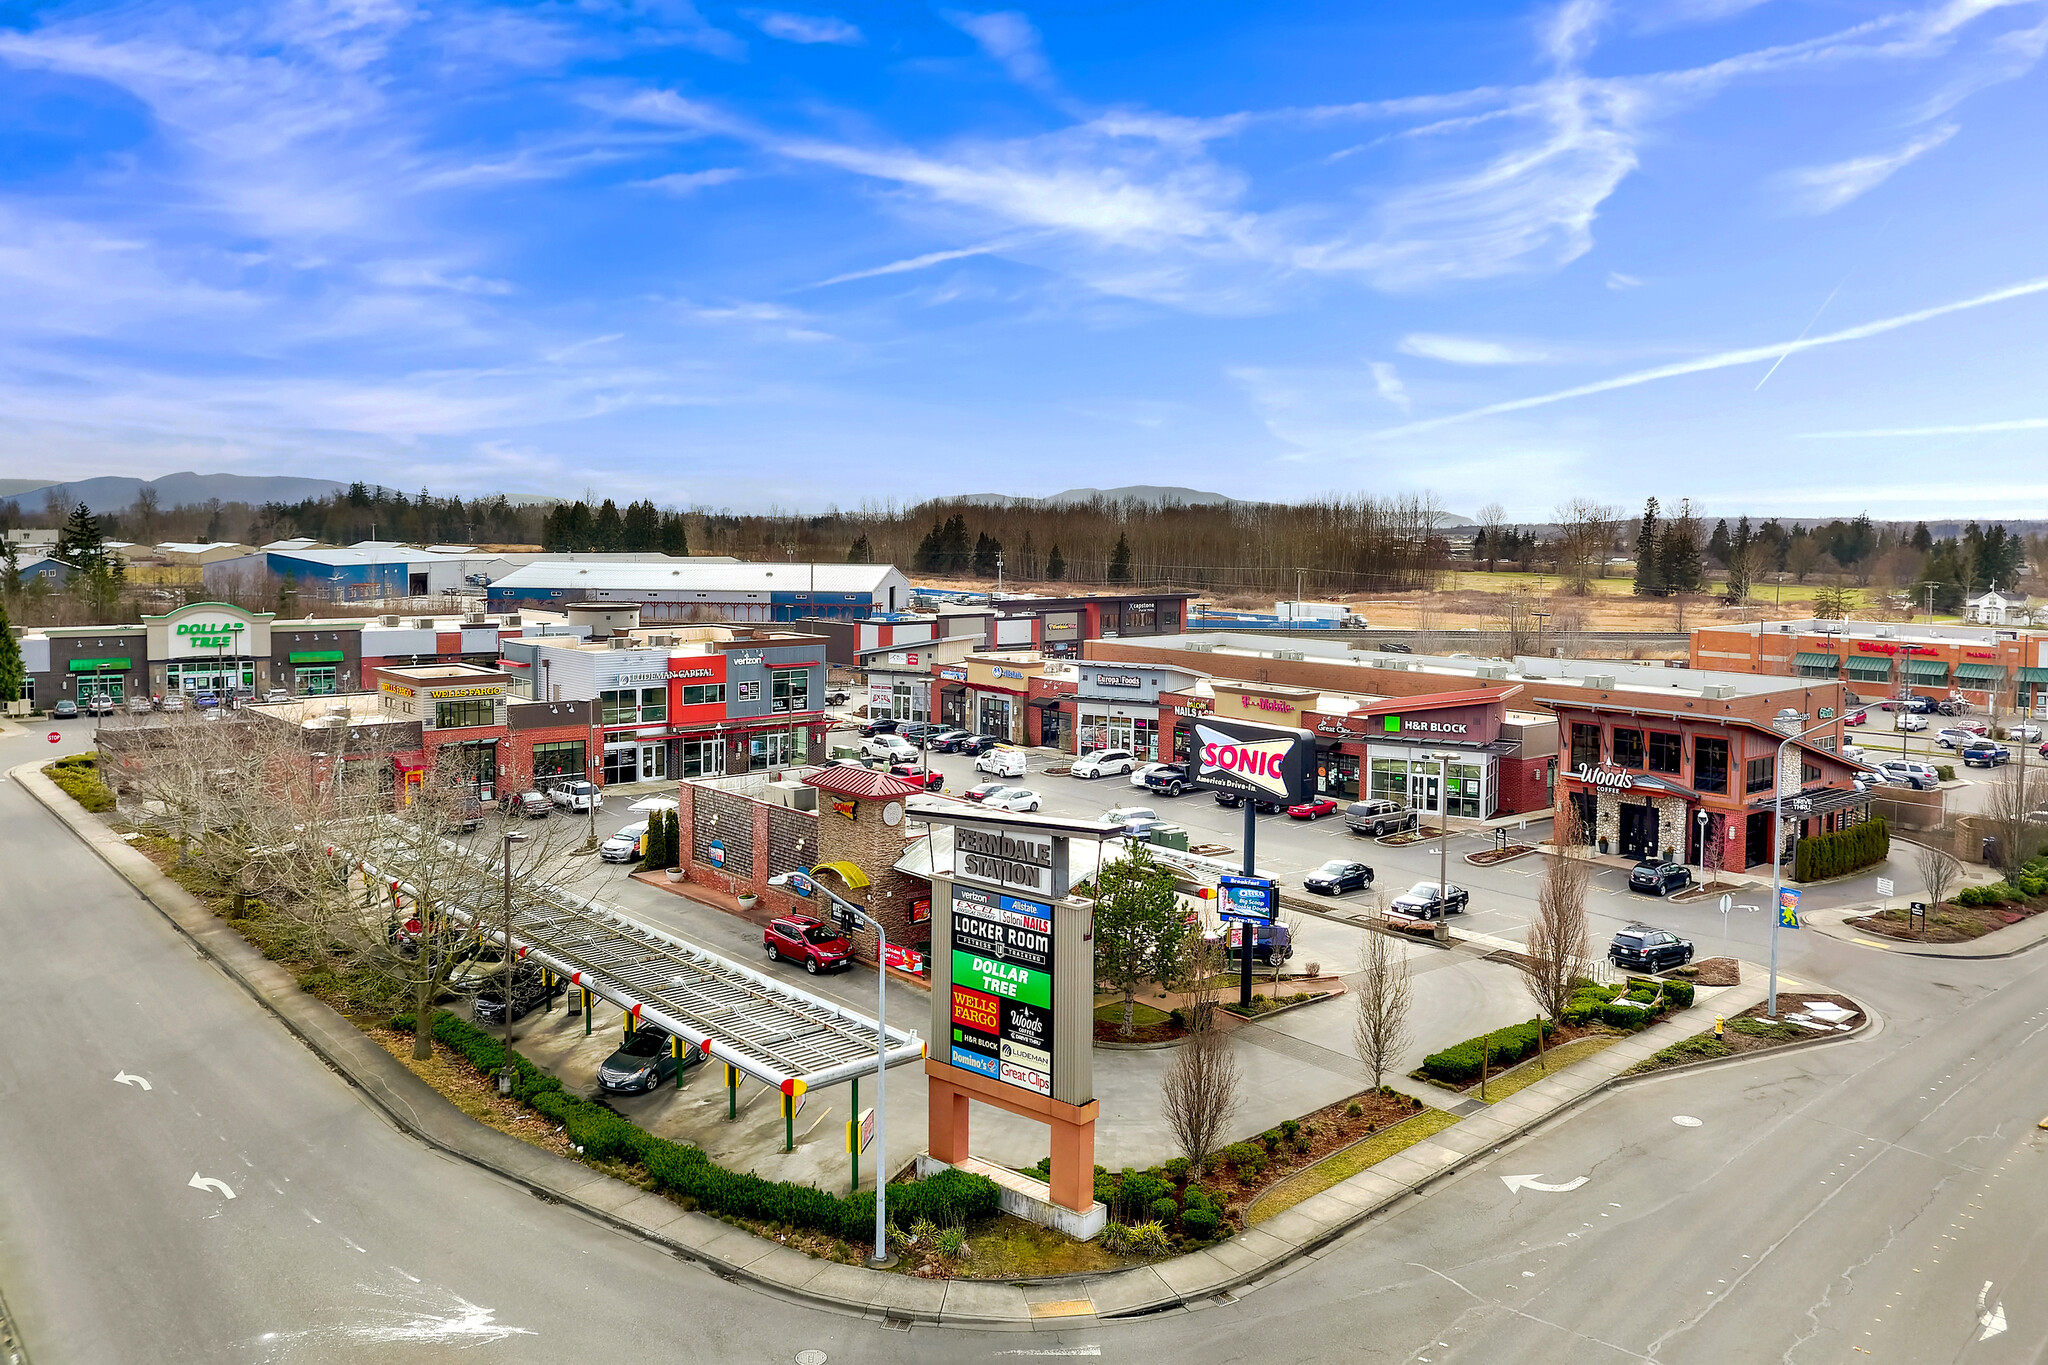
<point>1553,1061</point>
<point>1141,1013</point>
<point>1347,1162</point>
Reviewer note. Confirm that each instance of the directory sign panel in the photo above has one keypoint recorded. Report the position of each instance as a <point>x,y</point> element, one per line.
<point>1001,1020</point>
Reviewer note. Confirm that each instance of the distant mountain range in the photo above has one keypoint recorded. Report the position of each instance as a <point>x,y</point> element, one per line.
<point>111,493</point>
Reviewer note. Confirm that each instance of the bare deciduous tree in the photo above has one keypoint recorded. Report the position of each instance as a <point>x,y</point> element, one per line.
<point>1555,953</point>
<point>2016,795</point>
<point>1382,997</point>
<point>1200,1090</point>
<point>1939,872</point>
<point>1585,530</point>
<point>1493,520</point>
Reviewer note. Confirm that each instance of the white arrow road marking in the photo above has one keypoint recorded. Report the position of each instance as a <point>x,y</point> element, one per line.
<point>1517,1183</point>
<point>125,1079</point>
<point>1993,1322</point>
<point>207,1182</point>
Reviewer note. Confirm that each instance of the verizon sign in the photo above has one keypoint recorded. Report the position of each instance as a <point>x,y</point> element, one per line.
<point>1270,761</point>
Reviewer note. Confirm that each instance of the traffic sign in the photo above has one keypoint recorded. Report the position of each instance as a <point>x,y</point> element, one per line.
<point>1727,902</point>
<point>1788,908</point>
<point>56,738</point>
<point>1884,886</point>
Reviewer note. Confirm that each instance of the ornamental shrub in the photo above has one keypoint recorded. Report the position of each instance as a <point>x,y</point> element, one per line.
<point>1165,1210</point>
<point>1502,1048</point>
<point>1623,1017</point>
<point>1945,772</point>
<point>1246,1158</point>
<point>1845,851</point>
<point>1176,1169</point>
<point>1679,993</point>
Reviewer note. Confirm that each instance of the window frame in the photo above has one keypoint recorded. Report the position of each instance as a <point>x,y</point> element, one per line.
<point>1675,743</point>
<point>1584,734</point>
<point>1709,777</point>
<point>1621,754</point>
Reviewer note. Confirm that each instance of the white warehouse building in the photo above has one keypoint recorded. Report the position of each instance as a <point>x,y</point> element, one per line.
<point>673,590</point>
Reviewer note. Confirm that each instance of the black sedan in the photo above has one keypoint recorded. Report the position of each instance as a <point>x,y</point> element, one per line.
<point>1337,876</point>
<point>1260,804</point>
<point>1655,877</point>
<point>528,994</point>
<point>880,725</point>
<point>643,1062</point>
<point>1425,900</point>
<point>975,745</point>
<point>942,741</point>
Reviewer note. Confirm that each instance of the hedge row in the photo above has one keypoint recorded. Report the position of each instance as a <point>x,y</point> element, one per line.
<point>1503,1047</point>
<point>1849,850</point>
<point>78,776</point>
<point>948,1199</point>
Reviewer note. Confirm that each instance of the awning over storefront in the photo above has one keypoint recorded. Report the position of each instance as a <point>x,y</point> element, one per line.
<point>1989,673</point>
<point>1827,661</point>
<point>1925,671</point>
<point>1869,670</point>
<point>1046,701</point>
<point>2036,676</point>
<point>1819,801</point>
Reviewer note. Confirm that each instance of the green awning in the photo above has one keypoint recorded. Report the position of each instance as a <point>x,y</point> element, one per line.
<point>1994,673</point>
<point>1863,669</point>
<point>317,656</point>
<point>1918,669</point>
<point>1827,661</point>
<point>2034,675</point>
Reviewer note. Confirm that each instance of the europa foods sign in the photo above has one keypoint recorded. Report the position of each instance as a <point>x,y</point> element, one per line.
<point>1269,761</point>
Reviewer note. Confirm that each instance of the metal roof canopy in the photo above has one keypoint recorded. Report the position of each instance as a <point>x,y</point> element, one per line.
<point>770,1030</point>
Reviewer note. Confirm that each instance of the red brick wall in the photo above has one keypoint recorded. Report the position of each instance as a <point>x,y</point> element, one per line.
<point>1521,785</point>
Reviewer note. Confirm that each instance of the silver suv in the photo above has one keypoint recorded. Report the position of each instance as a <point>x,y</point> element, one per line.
<point>1379,817</point>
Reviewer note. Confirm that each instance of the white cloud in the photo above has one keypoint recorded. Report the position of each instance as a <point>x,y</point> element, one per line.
<point>1965,429</point>
<point>1471,350</point>
<point>1823,189</point>
<point>929,258</point>
<point>1388,384</point>
<point>1618,281</point>
<point>1726,359</point>
<point>1009,39</point>
<point>805,28</point>
<point>689,182</point>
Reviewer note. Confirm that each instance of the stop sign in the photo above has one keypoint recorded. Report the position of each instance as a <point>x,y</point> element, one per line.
<point>55,737</point>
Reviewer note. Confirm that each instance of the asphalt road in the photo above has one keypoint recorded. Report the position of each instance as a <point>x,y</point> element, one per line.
<point>1833,1201</point>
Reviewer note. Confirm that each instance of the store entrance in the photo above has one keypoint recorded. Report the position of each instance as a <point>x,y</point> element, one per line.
<point>1756,839</point>
<point>1638,831</point>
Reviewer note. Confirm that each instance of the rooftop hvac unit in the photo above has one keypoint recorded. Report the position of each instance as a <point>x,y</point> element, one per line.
<point>1200,646</point>
<point>474,616</point>
<point>513,619</point>
<point>620,642</point>
<point>1717,692</point>
<point>422,623</point>
<point>1396,665</point>
<point>1290,655</point>
<point>1784,630</point>
<point>1603,682</point>
<point>794,795</point>
<point>387,620</point>
<point>1491,671</point>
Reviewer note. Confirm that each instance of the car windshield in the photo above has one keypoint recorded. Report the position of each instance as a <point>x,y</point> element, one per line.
<point>821,933</point>
<point>1335,868</point>
<point>1427,890</point>
<point>645,1042</point>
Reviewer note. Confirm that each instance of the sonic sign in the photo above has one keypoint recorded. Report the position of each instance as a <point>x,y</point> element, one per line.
<point>1272,762</point>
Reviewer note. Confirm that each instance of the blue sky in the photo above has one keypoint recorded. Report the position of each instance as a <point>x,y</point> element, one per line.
<point>1779,257</point>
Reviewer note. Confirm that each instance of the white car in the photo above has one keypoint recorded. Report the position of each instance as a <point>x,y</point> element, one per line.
<point>138,706</point>
<point>1906,720</point>
<point>277,694</point>
<point>1131,817</point>
<point>2023,732</point>
<point>1918,776</point>
<point>1001,762</point>
<point>1953,738</point>
<point>892,748</point>
<point>624,846</point>
<point>173,702</point>
<point>1012,799</point>
<point>1145,770</point>
<point>1104,763</point>
<point>578,796</point>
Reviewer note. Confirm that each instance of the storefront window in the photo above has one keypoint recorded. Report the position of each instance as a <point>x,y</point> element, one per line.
<point>703,757</point>
<point>1667,752</point>
<point>1337,773</point>
<point>562,758</point>
<point>1709,764</point>
<point>703,694</point>
<point>453,715</point>
<point>909,701</point>
<point>620,707</point>
<point>770,751</point>
<point>653,704</point>
<point>1468,791</point>
<point>313,682</point>
<point>1390,779</point>
<point>1761,774</point>
<point>1628,749</point>
<point>472,768</point>
<point>749,691</point>
<point>1585,746</point>
<point>621,764</point>
<point>994,717</point>
<point>792,689</point>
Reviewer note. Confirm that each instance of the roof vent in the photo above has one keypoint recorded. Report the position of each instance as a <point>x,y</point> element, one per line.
<point>1717,692</point>
<point>1490,671</point>
<point>387,620</point>
<point>1200,646</point>
<point>1603,682</point>
<point>620,642</point>
<point>512,619</point>
<point>1290,655</point>
<point>422,623</point>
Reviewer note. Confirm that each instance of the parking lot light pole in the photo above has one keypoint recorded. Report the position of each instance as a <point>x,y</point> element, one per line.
<point>505,1073</point>
<point>1778,844</point>
<point>1443,832</point>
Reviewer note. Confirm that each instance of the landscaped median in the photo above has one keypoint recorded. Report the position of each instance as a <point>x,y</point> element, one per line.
<point>1596,1017</point>
<point>1803,1017</point>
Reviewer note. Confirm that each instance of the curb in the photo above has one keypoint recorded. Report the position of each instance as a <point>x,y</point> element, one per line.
<point>1870,1019</point>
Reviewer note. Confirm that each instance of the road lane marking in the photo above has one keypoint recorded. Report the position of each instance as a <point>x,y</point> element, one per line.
<point>207,1182</point>
<point>125,1079</point>
<point>1518,1183</point>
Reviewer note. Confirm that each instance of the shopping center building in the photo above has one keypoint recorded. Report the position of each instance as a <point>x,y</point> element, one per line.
<point>1992,667</point>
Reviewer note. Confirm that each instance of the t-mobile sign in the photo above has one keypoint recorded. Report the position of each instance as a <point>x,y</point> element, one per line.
<point>1002,988</point>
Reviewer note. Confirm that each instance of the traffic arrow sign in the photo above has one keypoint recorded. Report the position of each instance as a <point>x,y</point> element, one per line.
<point>125,1079</point>
<point>1518,1183</point>
<point>207,1182</point>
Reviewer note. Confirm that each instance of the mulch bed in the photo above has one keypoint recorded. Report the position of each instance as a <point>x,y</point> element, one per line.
<point>1165,1032</point>
<point>1717,971</point>
<point>1327,1129</point>
<point>1949,922</point>
<point>1488,857</point>
<point>1401,840</point>
<point>1733,1041</point>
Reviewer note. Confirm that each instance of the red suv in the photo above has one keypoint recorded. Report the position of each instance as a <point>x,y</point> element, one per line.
<point>799,938</point>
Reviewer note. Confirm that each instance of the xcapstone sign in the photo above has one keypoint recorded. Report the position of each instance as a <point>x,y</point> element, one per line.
<point>1269,761</point>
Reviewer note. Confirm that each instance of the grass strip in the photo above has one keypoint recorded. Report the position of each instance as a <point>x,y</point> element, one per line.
<point>1347,1162</point>
<point>1552,1062</point>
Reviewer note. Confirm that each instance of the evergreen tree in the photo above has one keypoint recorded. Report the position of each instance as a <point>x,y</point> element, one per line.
<point>642,527</point>
<point>1649,569</point>
<point>986,548</point>
<point>80,543</point>
<point>608,530</point>
<point>1120,560</point>
<point>930,551</point>
<point>1742,553</point>
<point>1678,552</point>
<point>1922,540</point>
<point>955,554</point>
<point>1718,543</point>
<point>576,527</point>
<point>675,534</point>
<point>1479,548</point>
<point>10,571</point>
<point>1056,564</point>
<point>551,528</point>
<point>860,552</point>
<point>12,674</point>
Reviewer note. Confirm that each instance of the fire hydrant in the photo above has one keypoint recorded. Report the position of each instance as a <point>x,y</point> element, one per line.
<point>1717,1026</point>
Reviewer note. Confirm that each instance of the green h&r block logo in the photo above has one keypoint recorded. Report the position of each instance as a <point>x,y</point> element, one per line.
<point>1393,724</point>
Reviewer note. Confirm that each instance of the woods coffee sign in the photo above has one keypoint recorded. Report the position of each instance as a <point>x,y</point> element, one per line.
<point>1270,761</point>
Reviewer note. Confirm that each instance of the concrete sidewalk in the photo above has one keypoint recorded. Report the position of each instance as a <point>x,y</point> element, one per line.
<point>416,1108</point>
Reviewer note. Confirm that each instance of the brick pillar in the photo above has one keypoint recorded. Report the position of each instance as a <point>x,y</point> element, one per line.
<point>686,824</point>
<point>946,1128</point>
<point>759,880</point>
<point>1073,1165</point>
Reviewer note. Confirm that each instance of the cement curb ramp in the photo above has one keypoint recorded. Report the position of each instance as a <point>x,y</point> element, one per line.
<point>1194,1280</point>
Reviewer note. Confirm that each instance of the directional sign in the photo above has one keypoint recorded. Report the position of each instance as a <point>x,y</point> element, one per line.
<point>207,1182</point>
<point>125,1079</point>
<point>1518,1183</point>
<point>861,1130</point>
<point>1788,908</point>
<point>1727,903</point>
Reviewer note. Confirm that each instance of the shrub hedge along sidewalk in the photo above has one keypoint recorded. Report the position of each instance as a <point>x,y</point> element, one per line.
<point>1821,856</point>
<point>685,1173</point>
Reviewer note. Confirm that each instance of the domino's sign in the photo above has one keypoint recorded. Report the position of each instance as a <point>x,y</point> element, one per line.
<point>1274,762</point>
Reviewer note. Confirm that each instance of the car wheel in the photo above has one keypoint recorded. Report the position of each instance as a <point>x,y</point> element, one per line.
<point>773,956</point>
<point>811,965</point>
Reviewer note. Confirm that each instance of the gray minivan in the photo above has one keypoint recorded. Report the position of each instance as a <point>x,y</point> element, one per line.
<point>1379,816</point>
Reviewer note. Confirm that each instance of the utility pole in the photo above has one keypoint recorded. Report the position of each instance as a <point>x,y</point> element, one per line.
<point>506,1074</point>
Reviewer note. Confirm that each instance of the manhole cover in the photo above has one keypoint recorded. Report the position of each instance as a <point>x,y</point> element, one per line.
<point>810,1358</point>
<point>1685,1120</point>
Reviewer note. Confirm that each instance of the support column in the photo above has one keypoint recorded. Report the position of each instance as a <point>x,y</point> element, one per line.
<point>1073,1165</point>
<point>946,1131</point>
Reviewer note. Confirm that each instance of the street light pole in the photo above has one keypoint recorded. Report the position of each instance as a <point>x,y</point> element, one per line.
<point>1778,845</point>
<point>505,1074</point>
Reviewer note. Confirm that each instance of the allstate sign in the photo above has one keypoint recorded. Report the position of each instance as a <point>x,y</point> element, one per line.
<point>1270,761</point>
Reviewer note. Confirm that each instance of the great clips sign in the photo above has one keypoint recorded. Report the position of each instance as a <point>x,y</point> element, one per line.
<point>1242,756</point>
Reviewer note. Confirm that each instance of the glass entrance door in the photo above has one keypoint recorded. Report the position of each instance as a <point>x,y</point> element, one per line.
<point>1425,791</point>
<point>653,762</point>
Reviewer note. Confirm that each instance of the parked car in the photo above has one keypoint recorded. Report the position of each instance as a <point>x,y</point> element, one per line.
<point>1985,754</point>
<point>1270,942</point>
<point>1951,737</point>
<point>1145,770</point>
<point>942,741</point>
<point>837,696</point>
<point>1856,718</point>
<point>644,1061</point>
<point>889,748</point>
<point>1919,706</point>
<point>66,709</point>
<point>1647,949</point>
<point>1908,722</point>
<point>919,732</point>
<point>624,845</point>
<point>1337,876</point>
<point>1104,763</point>
<point>981,791</point>
<point>1954,706</point>
<point>1918,776</point>
<point>2023,732</point>
<point>928,778</point>
<point>97,705</point>
<point>205,701</point>
<point>173,702</point>
<point>277,694</point>
<point>140,706</point>
<point>1168,779</point>
<point>1393,647</point>
<point>976,744</point>
<point>1001,761</point>
<point>535,805</point>
<point>578,796</point>
<point>1659,878</point>
<point>1425,900</point>
<point>1233,800</point>
<point>1131,817</point>
<point>1314,809</point>
<point>466,817</point>
<point>1380,816</point>
<point>1012,799</point>
<point>880,725</point>
<point>819,946</point>
<point>530,991</point>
